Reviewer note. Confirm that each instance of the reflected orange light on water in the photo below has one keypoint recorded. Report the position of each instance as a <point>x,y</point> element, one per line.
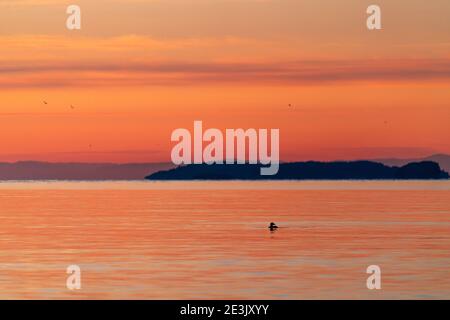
<point>161,244</point>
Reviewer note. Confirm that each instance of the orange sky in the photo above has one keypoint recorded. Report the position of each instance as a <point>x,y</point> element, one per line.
<point>140,69</point>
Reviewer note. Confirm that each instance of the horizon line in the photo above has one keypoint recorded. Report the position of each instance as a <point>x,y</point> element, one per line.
<point>169,162</point>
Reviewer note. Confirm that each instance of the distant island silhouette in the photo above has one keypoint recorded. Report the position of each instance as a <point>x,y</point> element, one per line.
<point>442,159</point>
<point>312,170</point>
<point>37,170</point>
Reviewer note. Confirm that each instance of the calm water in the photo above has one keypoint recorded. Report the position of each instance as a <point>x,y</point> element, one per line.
<point>197,240</point>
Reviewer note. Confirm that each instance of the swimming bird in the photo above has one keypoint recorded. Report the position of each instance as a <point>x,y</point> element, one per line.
<point>273,226</point>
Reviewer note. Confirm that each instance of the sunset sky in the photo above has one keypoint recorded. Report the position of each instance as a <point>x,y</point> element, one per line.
<point>140,69</point>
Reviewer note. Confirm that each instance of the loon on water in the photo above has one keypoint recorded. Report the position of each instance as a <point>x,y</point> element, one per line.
<point>273,226</point>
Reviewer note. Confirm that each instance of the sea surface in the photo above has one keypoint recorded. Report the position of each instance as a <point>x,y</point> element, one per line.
<point>209,240</point>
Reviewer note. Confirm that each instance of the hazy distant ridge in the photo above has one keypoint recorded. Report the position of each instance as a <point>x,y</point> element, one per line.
<point>32,170</point>
<point>442,159</point>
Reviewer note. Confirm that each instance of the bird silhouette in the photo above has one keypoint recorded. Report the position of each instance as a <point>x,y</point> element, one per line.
<point>273,226</point>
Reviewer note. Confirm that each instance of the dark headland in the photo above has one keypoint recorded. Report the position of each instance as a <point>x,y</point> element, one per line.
<point>353,170</point>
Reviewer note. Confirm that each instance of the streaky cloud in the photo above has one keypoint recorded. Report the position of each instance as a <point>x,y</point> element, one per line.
<point>24,74</point>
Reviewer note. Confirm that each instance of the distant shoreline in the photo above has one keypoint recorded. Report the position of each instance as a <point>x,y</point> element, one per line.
<point>312,170</point>
<point>215,180</point>
<point>83,171</point>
